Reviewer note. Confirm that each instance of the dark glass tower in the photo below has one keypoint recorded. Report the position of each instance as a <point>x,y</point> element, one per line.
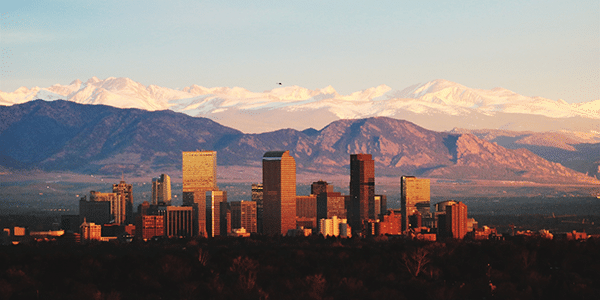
<point>362,190</point>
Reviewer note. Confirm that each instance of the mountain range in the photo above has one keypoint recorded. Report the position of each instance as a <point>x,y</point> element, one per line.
<point>437,105</point>
<point>66,136</point>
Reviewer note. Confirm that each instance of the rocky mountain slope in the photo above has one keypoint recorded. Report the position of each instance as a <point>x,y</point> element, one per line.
<point>580,153</point>
<point>436,105</point>
<point>62,135</point>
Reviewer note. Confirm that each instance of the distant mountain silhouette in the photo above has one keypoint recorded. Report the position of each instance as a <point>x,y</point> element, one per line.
<point>62,135</point>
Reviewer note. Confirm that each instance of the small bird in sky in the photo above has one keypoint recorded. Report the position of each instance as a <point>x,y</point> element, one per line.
<point>279,83</point>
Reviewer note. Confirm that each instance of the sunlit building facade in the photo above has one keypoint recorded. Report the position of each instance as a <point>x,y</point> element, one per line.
<point>125,195</point>
<point>178,220</point>
<point>415,197</point>
<point>214,212</point>
<point>456,220</point>
<point>279,192</point>
<point>161,190</point>
<point>199,176</point>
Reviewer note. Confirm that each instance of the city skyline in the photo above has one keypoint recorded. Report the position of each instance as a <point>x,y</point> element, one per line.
<point>545,49</point>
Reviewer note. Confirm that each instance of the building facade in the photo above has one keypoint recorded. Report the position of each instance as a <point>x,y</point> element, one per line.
<point>456,220</point>
<point>306,211</point>
<point>149,226</point>
<point>161,190</point>
<point>214,211</point>
<point>279,192</point>
<point>243,215</point>
<point>415,197</point>
<point>362,190</point>
<point>199,176</point>
<point>178,220</point>
<point>257,196</point>
<point>125,195</point>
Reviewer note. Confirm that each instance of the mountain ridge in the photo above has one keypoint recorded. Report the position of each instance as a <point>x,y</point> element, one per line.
<point>255,112</point>
<point>103,139</point>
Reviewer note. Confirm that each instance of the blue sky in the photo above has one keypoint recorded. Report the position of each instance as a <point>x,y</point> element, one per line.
<point>535,48</point>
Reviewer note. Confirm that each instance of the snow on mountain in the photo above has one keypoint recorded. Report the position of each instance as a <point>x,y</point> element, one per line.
<point>435,98</point>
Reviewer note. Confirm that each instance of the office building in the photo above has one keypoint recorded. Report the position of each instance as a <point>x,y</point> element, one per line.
<point>125,195</point>
<point>98,211</point>
<point>257,196</point>
<point>380,205</point>
<point>414,197</point>
<point>90,231</point>
<point>214,211</point>
<point>456,220</point>
<point>279,192</point>
<point>319,187</point>
<point>96,208</point>
<point>199,176</point>
<point>161,190</point>
<point>306,211</point>
<point>178,220</point>
<point>243,215</point>
<point>333,227</point>
<point>362,190</point>
<point>330,204</point>
<point>149,226</point>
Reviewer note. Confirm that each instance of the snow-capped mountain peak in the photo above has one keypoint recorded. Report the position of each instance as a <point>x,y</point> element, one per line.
<point>297,107</point>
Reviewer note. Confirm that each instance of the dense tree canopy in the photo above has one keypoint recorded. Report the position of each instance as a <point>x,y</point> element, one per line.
<point>302,268</point>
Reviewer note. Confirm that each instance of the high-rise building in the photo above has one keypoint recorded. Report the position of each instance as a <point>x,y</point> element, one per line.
<point>214,201</point>
<point>178,220</point>
<point>161,190</point>
<point>456,220</point>
<point>306,211</point>
<point>117,205</point>
<point>243,215</point>
<point>257,196</point>
<point>90,231</point>
<point>331,204</point>
<point>99,209</point>
<point>380,206</point>
<point>439,217</point>
<point>125,193</point>
<point>414,197</point>
<point>199,176</point>
<point>279,192</point>
<point>320,186</point>
<point>362,190</point>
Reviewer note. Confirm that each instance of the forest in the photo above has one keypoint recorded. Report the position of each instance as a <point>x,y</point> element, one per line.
<point>314,267</point>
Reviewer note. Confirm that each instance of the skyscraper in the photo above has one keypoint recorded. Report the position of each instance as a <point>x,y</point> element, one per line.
<point>214,200</point>
<point>161,190</point>
<point>243,215</point>
<point>414,197</point>
<point>362,190</point>
<point>257,196</point>
<point>199,176</point>
<point>279,192</point>
<point>456,220</point>
<point>125,193</point>
<point>320,186</point>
